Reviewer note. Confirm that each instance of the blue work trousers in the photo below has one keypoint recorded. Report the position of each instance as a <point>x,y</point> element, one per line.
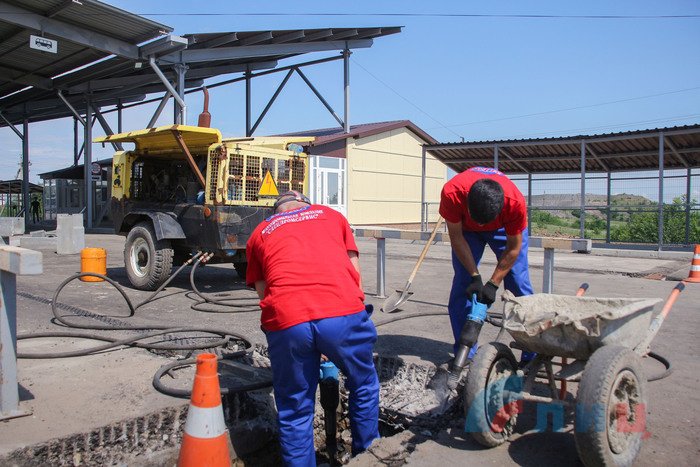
<point>517,280</point>
<point>295,355</point>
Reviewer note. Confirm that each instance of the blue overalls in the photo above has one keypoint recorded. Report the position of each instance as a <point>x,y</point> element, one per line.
<point>295,355</point>
<point>517,280</point>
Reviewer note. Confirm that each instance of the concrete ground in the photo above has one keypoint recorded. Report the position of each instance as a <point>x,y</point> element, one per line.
<point>78,394</point>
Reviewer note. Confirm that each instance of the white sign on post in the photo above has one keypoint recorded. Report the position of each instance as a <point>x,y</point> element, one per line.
<point>43,44</point>
<point>95,172</point>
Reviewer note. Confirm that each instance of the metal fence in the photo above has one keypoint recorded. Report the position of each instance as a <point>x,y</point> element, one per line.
<point>637,208</point>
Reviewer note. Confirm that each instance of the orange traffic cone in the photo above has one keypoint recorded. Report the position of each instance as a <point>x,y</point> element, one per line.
<point>694,275</point>
<point>205,441</point>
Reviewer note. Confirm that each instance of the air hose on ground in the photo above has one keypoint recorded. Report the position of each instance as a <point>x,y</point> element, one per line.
<point>247,306</point>
<point>225,336</point>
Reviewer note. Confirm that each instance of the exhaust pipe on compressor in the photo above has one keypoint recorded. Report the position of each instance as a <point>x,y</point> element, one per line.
<point>205,117</point>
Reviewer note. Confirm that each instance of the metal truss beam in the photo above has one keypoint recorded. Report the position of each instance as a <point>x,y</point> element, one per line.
<point>266,50</point>
<point>26,78</point>
<point>25,18</point>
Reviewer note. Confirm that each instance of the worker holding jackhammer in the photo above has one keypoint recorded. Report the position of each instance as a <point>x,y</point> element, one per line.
<point>481,206</point>
<point>304,265</point>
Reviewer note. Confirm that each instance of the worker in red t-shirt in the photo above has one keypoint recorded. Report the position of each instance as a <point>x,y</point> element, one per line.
<point>304,265</point>
<point>481,206</point>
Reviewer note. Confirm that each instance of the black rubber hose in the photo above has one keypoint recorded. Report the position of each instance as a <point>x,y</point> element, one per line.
<point>665,363</point>
<point>186,393</point>
<point>247,307</point>
<point>157,330</point>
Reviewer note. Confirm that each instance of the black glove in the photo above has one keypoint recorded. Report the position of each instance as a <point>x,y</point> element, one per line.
<point>475,287</point>
<point>488,293</point>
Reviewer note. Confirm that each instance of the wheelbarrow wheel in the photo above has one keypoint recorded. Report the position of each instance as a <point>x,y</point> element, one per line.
<point>489,396</point>
<point>610,420</point>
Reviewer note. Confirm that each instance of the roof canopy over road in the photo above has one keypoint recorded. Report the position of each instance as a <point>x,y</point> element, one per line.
<point>613,152</point>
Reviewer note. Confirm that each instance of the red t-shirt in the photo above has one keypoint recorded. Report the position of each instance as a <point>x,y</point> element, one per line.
<point>303,256</point>
<point>453,202</point>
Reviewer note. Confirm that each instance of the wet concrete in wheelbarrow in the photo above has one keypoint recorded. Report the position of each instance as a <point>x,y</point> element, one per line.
<point>72,397</point>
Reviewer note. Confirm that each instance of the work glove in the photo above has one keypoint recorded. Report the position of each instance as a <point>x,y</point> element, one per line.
<point>488,293</point>
<point>475,287</point>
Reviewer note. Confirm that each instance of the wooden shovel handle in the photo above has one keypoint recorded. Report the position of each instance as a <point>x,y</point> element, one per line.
<point>425,250</point>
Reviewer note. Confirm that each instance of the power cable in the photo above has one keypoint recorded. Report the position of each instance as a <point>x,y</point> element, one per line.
<point>442,125</point>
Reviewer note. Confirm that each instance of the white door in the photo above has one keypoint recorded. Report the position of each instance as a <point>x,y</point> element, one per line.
<point>328,182</point>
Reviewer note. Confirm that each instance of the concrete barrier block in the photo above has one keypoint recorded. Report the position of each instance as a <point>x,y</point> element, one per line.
<point>70,233</point>
<point>10,226</point>
<point>37,243</point>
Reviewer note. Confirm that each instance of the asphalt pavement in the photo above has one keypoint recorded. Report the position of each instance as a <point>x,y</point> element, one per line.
<point>74,395</point>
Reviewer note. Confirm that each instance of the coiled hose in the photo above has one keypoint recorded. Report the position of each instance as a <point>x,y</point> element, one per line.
<point>226,336</point>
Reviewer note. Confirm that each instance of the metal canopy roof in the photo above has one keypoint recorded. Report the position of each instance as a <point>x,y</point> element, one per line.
<point>208,55</point>
<point>14,187</point>
<point>612,152</point>
<point>86,31</point>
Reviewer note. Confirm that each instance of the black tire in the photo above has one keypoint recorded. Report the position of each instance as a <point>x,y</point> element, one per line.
<point>148,261</point>
<point>490,414</point>
<point>241,269</point>
<point>613,379</point>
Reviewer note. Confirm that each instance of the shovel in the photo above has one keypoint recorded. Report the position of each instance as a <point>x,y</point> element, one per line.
<point>401,296</point>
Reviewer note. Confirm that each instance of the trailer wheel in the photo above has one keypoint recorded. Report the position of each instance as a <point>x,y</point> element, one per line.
<point>611,408</point>
<point>490,399</point>
<point>148,261</point>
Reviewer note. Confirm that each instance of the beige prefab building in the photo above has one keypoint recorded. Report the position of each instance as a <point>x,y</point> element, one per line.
<point>373,173</point>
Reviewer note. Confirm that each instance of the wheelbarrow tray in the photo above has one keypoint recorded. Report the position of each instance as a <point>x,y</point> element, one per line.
<point>575,327</point>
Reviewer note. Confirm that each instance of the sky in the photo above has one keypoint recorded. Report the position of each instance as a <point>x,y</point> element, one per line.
<point>459,70</point>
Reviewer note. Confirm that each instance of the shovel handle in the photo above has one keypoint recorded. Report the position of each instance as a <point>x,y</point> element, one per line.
<point>425,250</point>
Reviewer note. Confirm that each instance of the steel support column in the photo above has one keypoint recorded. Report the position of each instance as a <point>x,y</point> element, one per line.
<point>120,108</point>
<point>609,214</point>
<point>548,271</point>
<point>25,173</point>
<point>76,141</point>
<point>529,203</point>
<point>582,218</point>
<point>687,205</point>
<point>87,160</point>
<point>179,99</point>
<point>346,88</point>
<point>495,156</point>
<point>423,207</point>
<point>248,112</point>
<point>661,190</point>
<point>180,115</point>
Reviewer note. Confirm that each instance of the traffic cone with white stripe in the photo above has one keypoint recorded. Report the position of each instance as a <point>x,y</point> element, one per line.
<point>205,441</point>
<point>694,275</point>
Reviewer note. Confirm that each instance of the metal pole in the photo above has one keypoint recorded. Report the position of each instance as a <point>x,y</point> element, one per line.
<point>548,271</point>
<point>609,215</point>
<point>159,110</point>
<point>25,173</point>
<point>582,218</point>
<point>381,267</point>
<point>9,389</point>
<point>495,156</point>
<point>247,104</point>
<point>661,189</point>
<point>423,207</point>
<point>166,83</point>
<point>76,154</point>
<point>346,87</point>
<point>180,110</point>
<point>687,205</point>
<point>87,160</point>
<point>120,107</point>
<point>529,203</point>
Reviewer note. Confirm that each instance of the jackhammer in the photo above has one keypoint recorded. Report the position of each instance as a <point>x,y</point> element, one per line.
<point>330,398</point>
<point>467,340</point>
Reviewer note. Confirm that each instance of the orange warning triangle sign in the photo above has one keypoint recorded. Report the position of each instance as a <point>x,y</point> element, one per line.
<point>268,187</point>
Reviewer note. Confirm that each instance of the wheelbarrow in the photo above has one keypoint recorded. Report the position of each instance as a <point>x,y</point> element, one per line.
<point>598,343</point>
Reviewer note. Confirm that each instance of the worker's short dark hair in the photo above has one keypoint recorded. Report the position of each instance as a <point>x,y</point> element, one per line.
<point>485,200</point>
<point>288,196</point>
